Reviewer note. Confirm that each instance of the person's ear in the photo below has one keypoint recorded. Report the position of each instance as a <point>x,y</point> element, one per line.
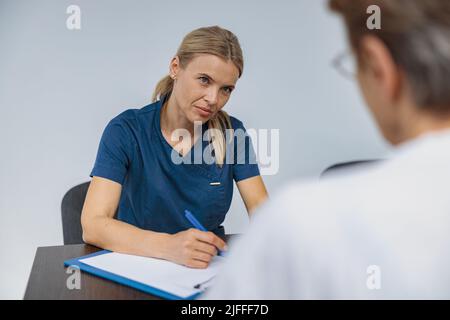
<point>379,63</point>
<point>174,67</point>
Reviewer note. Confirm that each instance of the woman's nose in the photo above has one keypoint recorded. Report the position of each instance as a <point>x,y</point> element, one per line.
<point>212,96</point>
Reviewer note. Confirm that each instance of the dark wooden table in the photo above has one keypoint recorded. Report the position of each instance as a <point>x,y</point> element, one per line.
<point>48,278</point>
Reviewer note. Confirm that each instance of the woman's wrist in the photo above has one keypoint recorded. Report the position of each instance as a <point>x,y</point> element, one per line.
<point>157,244</point>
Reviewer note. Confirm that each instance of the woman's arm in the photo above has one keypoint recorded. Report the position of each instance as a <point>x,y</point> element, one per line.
<point>192,247</point>
<point>253,192</point>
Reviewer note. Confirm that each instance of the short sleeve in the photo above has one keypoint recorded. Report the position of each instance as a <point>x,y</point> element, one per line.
<point>245,162</point>
<point>115,152</point>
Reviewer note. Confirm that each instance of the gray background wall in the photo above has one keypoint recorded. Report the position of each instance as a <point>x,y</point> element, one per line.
<point>59,88</point>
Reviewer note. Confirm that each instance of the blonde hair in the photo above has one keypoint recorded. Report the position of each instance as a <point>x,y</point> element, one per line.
<point>219,42</point>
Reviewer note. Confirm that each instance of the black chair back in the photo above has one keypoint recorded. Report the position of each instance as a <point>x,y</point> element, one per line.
<point>71,207</point>
<point>340,167</point>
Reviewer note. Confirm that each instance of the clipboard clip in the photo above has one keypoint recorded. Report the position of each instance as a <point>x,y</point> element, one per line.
<point>202,284</point>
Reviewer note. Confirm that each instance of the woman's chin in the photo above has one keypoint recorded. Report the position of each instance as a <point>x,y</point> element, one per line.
<point>197,118</point>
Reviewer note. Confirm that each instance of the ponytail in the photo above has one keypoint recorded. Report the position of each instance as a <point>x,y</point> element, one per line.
<point>164,87</point>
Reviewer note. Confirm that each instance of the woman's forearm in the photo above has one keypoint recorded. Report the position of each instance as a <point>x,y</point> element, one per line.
<point>111,234</point>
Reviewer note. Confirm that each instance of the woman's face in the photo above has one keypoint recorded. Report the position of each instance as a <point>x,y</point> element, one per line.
<point>203,86</point>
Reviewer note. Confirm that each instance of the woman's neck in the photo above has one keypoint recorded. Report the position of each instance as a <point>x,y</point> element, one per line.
<point>172,118</point>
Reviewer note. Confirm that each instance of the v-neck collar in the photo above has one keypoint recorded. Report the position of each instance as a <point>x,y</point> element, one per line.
<point>188,156</point>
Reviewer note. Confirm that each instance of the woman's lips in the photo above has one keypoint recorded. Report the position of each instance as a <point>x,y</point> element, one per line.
<point>204,112</point>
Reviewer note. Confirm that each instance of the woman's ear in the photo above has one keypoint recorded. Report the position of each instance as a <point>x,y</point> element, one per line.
<point>174,67</point>
<point>378,62</point>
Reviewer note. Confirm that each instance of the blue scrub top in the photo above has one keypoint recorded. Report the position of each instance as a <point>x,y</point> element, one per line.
<point>155,190</point>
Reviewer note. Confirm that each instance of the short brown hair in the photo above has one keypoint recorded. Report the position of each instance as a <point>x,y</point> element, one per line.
<point>417,34</point>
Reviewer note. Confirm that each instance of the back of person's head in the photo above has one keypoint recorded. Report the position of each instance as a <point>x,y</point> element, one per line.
<point>417,35</point>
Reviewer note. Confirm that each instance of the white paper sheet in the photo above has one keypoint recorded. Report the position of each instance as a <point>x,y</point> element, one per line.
<point>164,275</point>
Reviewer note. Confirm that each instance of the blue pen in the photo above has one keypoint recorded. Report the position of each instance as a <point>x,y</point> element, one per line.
<point>197,224</point>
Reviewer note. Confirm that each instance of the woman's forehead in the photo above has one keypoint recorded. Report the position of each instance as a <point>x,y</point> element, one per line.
<point>219,69</point>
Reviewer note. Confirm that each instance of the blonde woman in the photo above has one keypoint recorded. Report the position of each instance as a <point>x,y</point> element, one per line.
<point>138,173</point>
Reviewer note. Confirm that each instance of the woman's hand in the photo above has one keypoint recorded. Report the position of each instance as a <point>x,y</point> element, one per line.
<point>193,248</point>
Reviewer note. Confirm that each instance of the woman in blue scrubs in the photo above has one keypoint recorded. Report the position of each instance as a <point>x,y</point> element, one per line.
<point>175,154</point>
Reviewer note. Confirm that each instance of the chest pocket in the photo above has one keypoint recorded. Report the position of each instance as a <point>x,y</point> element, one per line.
<point>217,186</point>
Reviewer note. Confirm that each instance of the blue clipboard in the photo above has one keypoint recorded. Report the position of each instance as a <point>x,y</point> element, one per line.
<point>123,280</point>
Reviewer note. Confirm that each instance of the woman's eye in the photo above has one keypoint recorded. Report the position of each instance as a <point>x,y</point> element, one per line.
<point>227,90</point>
<point>204,80</point>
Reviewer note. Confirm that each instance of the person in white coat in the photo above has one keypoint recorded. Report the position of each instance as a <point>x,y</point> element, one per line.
<point>376,233</point>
